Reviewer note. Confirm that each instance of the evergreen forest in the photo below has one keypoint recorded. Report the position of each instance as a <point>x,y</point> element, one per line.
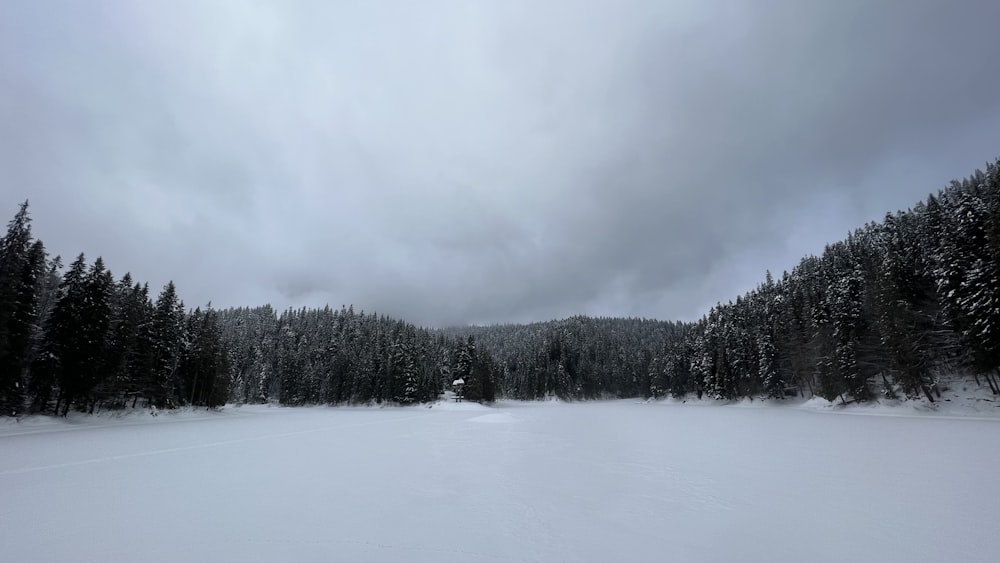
<point>887,312</point>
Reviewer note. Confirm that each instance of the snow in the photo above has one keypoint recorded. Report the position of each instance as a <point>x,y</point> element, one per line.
<point>498,418</point>
<point>547,481</point>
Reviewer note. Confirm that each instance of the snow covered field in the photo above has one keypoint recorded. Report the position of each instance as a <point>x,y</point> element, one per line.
<point>606,481</point>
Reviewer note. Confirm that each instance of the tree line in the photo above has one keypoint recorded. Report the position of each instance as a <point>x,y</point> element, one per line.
<point>82,340</point>
<point>328,356</point>
<point>884,313</point>
<point>576,358</point>
<point>887,312</point>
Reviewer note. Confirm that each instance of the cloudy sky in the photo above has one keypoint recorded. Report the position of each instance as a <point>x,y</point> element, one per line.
<point>483,161</point>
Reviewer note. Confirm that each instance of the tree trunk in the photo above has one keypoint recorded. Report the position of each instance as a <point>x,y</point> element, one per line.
<point>993,384</point>
<point>927,392</point>
<point>194,385</point>
<point>989,381</point>
<point>888,386</point>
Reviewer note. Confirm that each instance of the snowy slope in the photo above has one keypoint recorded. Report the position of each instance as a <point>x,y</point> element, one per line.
<point>608,481</point>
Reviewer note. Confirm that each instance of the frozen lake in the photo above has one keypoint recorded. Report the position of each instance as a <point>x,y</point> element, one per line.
<point>605,481</point>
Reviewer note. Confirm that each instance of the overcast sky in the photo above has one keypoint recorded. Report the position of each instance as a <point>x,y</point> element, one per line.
<point>483,161</point>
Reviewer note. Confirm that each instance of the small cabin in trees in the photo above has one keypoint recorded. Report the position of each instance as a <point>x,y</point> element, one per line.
<point>458,386</point>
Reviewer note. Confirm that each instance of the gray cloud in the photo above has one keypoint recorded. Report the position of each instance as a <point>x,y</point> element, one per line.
<point>452,162</point>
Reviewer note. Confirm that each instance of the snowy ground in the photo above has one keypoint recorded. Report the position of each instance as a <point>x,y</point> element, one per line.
<point>608,481</point>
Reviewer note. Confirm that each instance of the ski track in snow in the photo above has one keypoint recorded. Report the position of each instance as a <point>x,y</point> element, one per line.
<point>192,447</point>
<point>122,423</point>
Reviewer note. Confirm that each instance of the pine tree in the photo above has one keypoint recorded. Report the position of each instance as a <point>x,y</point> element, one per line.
<point>406,386</point>
<point>904,309</point>
<point>204,369</point>
<point>62,349</point>
<point>43,363</point>
<point>124,369</point>
<point>95,324</point>
<point>21,264</point>
<point>140,363</point>
<point>486,374</point>
<point>167,339</point>
<point>462,364</point>
<point>979,292</point>
<point>75,340</point>
<point>967,274</point>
